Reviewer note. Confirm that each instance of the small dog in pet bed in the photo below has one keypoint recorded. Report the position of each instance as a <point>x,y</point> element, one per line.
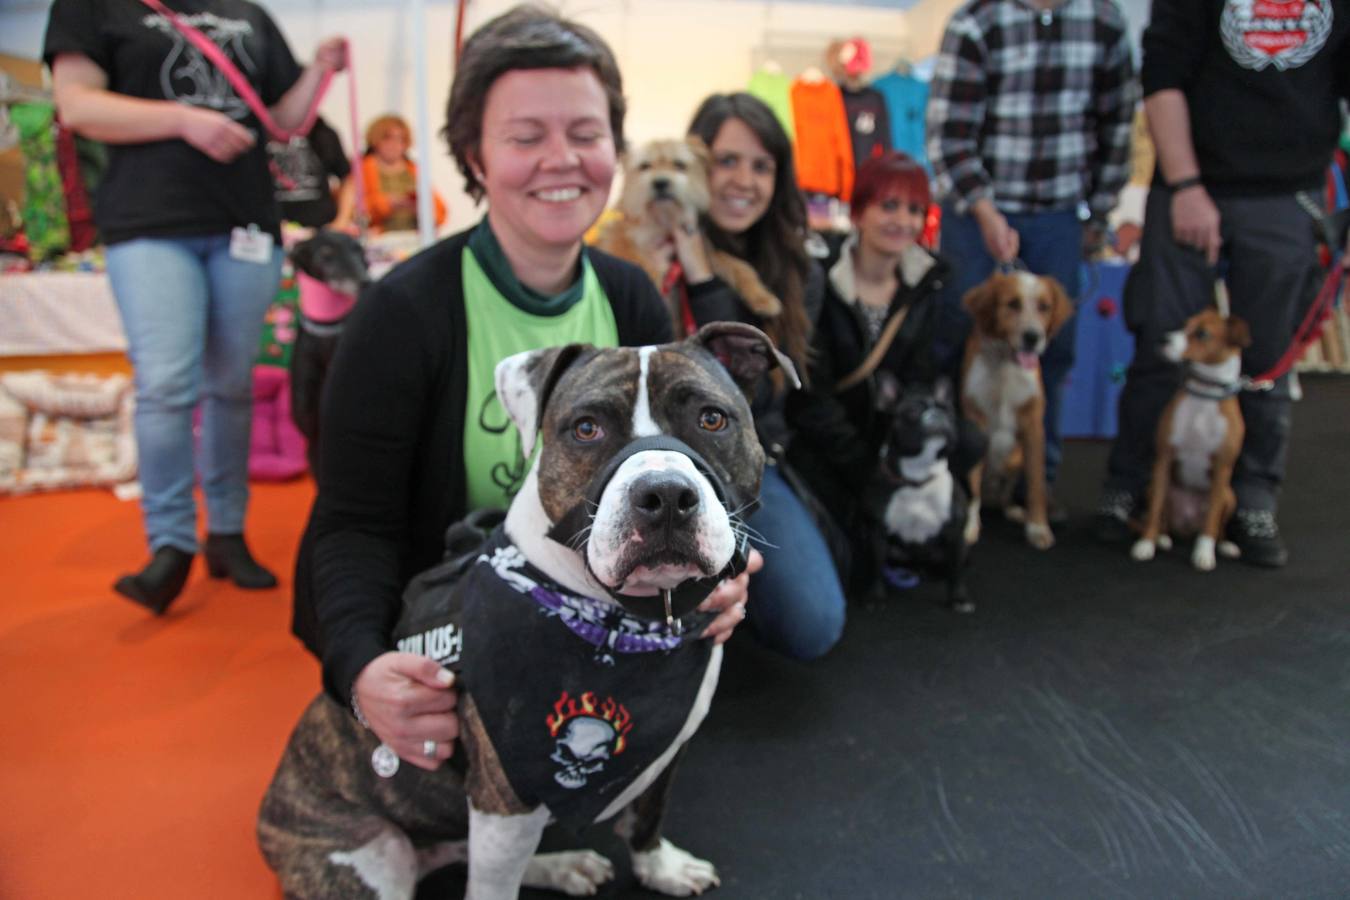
<point>925,514</point>
<point>665,186</point>
<point>331,268</point>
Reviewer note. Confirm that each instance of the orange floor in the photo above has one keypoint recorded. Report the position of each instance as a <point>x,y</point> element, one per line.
<point>134,750</point>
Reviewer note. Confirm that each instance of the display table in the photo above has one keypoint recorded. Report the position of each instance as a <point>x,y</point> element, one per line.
<point>1103,352</point>
<point>58,314</point>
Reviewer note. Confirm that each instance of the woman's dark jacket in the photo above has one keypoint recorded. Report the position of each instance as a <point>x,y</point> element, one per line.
<point>837,436</point>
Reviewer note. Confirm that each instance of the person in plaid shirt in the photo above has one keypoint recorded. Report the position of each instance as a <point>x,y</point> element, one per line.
<point>1029,116</point>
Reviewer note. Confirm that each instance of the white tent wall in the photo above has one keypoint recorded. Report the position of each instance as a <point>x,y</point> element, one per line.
<point>672,52</point>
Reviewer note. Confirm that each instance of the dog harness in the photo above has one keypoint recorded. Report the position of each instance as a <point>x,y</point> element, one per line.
<point>577,697</point>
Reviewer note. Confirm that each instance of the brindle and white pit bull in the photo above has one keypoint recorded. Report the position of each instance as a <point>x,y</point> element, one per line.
<point>578,685</point>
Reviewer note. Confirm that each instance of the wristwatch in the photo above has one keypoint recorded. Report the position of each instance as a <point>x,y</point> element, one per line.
<point>1193,181</point>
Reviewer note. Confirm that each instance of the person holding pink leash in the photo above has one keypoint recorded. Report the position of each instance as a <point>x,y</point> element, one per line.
<point>182,94</point>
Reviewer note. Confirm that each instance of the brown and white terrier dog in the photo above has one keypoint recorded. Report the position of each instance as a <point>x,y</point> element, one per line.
<point>665,187</point>
<point>1016,314</point>
<point>1199,438</point>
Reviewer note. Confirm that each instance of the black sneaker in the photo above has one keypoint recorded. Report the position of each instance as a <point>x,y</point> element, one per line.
<point>1257,538</point>
<point>1111,524</point>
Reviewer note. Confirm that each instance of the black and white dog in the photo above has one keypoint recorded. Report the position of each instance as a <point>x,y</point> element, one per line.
<point>331,269</point>
<point>925,514</point>
<point>572,633</point>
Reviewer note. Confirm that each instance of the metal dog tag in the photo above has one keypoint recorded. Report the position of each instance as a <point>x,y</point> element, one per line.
<point>384,761</point>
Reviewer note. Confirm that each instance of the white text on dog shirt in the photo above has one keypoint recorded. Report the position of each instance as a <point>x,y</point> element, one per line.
<point>444,644</point>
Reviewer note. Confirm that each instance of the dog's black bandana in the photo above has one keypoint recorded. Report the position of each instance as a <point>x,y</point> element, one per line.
<point>574,524</point>
<point>577,697</point>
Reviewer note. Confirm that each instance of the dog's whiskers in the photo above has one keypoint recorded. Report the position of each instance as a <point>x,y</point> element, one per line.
<point>743,530</point>
<point>579,539</point>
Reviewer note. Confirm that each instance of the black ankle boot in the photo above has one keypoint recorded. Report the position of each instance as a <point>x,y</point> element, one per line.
<point>227,556</point>
<point>156,586</point>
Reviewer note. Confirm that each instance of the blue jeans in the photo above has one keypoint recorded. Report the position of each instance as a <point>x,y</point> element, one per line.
<point>796,601</point>
<point>1050,244</point>
<point>193,318</point>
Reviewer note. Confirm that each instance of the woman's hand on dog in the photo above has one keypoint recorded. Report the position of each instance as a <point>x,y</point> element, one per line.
<point>689,248</point>
<point>729,600</point>
<point>408,700</point>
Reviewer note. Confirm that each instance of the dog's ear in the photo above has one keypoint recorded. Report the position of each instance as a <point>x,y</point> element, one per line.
<point>701,151</point>
<point>1061,307</point>
<point>745,352</point>
<point>524,382</point>
<point>888,389</point>
<point>981,302</point>
<point>302,255</point>
<point>1239,335</point>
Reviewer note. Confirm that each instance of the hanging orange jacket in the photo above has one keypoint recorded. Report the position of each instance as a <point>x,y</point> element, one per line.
<point>379,205</point>
<point>823,147</point>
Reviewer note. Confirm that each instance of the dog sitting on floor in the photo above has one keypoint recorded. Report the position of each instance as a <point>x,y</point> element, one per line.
<point>665,186</point>
<point>1015,316</point>
<point>925,513</point>
<point>1199,438</point>
<point>573,635</point>
<point>331,268</point>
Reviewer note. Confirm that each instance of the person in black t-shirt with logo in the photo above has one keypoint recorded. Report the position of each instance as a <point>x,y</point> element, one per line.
<point>1247,197</point>
<point>190,216</point>
<point>308,173</point>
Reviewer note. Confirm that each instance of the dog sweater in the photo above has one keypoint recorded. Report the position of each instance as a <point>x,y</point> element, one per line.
<point>577,697</point>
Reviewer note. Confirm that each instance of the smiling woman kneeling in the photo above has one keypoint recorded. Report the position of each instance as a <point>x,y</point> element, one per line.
<point>414,436</point>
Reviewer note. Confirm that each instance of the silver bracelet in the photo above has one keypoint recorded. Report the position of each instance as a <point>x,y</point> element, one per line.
<point>383,760</point>
<point>356,710</point>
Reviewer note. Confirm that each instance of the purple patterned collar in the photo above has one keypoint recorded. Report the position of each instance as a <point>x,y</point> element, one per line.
<point>601,623</point>
<point>604,625</point>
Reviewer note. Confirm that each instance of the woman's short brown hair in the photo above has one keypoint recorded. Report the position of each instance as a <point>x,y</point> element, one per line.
<point>526,37</point>
<point>381,126</point>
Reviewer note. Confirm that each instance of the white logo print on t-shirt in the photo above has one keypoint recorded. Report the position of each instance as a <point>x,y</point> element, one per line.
<point>189,77</point>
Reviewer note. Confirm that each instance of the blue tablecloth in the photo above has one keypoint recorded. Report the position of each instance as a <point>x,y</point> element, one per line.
<point>1104,350</point>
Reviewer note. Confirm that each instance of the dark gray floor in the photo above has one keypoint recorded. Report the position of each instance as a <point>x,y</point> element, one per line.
<point>1098,728</point>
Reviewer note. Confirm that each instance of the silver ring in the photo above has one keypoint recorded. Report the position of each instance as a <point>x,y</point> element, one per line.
<point>429,749</point>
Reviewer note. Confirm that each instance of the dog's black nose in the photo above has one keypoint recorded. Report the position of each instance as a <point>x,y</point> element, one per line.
<point>660,185</point>
<point>1030,339</point>
<point>663,499</point>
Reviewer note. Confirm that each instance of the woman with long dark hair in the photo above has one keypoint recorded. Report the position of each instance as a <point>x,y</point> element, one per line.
<point>757,213</point>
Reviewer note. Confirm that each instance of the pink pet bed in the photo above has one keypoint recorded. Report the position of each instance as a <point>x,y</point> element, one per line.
<point>277,452</point>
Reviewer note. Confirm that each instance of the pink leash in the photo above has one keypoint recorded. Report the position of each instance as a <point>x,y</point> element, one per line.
<point>246,92</point>
<point>238,81</point>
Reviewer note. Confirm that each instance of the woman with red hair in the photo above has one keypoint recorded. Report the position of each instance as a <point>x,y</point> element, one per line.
<point>881,272</point>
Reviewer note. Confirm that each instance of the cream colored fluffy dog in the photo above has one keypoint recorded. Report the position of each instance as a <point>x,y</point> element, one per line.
<point>665,187</point>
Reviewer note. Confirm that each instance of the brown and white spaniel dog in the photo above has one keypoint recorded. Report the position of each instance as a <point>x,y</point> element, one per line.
<point>1016,315</point>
